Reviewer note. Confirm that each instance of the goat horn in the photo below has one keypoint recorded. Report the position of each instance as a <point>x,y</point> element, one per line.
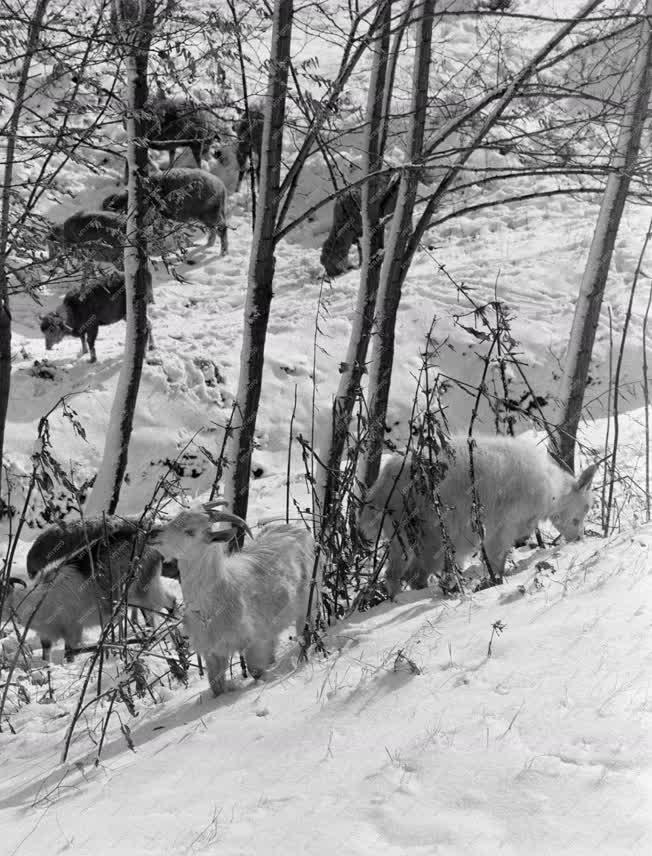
<point>226,516</point>
<point>209,506</point>
<point>224,534</point>
<point>17,581</point>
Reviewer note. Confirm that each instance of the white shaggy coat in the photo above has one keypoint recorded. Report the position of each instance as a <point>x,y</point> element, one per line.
<point>518,485</point>
<point>241,601</point>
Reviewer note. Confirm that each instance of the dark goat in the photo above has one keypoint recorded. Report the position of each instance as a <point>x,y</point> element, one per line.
<point>83,312</point>
<point>347,228</point>
<point>175,122</point>
<point>82,569</point>
<point>182,195</point>
<point>101,234</point>
<point>249,141</point>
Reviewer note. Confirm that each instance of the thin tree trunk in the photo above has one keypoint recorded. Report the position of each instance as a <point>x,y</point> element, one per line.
<point>261,266</point>
<point>391,69</point>
<point>135,26</point>
<point>12,132</point>
<point>391,278</point>
<point>646,401</point>
<point>372,256</point>
<point>611,465</point>
<point>594,280</point>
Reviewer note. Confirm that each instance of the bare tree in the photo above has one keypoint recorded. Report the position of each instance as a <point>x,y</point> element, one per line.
<point>372,254</point>
<point>133,24</point>
<point>261,265</point>
<point>391,277</point>
<point>33,41</point>
<point>596,271</point>
<point>275,198</point>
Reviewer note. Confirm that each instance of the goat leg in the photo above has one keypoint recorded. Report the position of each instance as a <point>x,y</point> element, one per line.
<point>216,666</point>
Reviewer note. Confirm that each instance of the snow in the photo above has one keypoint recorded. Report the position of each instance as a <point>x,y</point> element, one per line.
<point>542,747</point>
<point>525,750</point>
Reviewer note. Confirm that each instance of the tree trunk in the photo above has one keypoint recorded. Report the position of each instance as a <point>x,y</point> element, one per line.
<point>391,277</point>
<point>594,280</point>
<point>12,132</point>
<point>261,267</point>
<point>372,255</point>
<point>399,32</point>
<point>134,25</point>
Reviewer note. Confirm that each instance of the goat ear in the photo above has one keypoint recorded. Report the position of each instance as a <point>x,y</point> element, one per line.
<point>17,581</point>
<point>222,534</point>
<point>586,477</point>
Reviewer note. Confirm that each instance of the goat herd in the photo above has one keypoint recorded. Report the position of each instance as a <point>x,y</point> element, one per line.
<point>240,601</point>
<point>180,195</point>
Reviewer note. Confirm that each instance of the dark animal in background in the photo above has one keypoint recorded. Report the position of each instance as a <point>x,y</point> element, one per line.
<point>249,142</point>
<point>83,311</point>
<point>100,234</point>
<point>346,229</point>
<point>183,195</point>
<point>175,122</point>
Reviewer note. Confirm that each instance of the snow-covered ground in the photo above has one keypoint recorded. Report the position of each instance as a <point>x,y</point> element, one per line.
<point>408,738</point>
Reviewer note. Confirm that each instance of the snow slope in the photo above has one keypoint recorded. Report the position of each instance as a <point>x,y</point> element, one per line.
<point>543,747</point>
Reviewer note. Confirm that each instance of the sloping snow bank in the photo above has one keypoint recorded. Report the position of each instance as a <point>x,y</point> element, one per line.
<point>543,747</point>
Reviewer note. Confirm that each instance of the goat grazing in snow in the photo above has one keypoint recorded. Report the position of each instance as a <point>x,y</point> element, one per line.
<point>241,601</point>
<point>83,311</point>
<point>59,606</point>
<point>346,228</point>
<point>64,601</point>
<point>79,570</point>
<point>177,121</point>
<point>517,485</point>
<point>183,194</point>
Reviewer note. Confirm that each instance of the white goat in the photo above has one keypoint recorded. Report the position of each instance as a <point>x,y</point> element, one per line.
<point>241,601</point>
<point>517,482</point>
<point>64,601</point>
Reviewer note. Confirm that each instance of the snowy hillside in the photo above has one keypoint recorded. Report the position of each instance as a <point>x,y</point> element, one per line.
<point>513,720</point>
<point>407,739</point>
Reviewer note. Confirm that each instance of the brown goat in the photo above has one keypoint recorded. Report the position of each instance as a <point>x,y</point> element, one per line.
<point>83,311</point>
<point>346,228</point>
